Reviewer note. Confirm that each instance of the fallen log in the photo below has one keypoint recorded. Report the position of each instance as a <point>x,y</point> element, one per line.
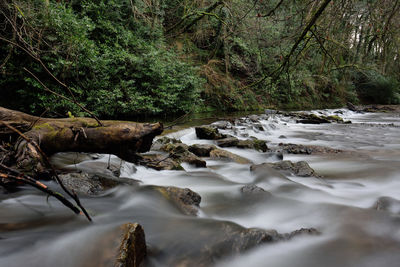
<point>121,138</point>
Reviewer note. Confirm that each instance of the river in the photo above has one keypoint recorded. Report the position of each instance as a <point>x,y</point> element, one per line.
<point>35,231</point>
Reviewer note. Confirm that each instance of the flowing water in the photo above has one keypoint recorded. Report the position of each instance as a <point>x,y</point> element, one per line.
<point>35,231</point>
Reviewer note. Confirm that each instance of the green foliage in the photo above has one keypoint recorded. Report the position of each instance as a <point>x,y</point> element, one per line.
<point>115,64</point>
<point>373,87</point>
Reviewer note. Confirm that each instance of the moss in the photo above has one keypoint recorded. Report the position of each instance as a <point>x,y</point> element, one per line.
<point>45,125</point>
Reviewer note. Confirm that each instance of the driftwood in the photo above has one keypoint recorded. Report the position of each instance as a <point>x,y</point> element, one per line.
<point>121,138</point>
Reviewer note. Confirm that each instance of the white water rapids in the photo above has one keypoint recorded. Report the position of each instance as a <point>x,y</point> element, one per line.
<point>339,205</point>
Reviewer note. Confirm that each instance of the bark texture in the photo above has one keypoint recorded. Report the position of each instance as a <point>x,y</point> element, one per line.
<point>122,138</point>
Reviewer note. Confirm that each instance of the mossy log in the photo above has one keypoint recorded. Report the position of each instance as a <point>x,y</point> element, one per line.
<point>122,138</point>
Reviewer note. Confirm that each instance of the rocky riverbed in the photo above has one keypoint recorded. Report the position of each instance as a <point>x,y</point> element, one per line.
<point>313,188</point>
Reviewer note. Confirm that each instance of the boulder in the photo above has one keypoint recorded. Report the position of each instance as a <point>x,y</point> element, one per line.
<point>253,190</point>
<point>223,154</point>
<point>157,144</point>
<point>160,162</point>
<point>92,184</point>
<point>300,168</point>
<point>228,142</point>
<point>201,150</point>
<point>186,200</point>
<point>209,133</point>
<point>181,153</point>
<point>222,124</point>
<point>121,247</point>
<point>229,240</point>
<point>306,149</point>
<point>387,204</point>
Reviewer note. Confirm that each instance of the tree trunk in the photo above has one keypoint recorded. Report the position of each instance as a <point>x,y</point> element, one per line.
<point>122,138</point>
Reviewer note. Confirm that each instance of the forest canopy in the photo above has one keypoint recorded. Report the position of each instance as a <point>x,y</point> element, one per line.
<point>125,58</point>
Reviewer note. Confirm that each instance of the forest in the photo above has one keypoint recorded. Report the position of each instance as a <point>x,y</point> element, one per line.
<point>129,58</point>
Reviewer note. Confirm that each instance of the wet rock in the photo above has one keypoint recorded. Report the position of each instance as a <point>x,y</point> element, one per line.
<point>122,247</point>
<point>256,144</point>
<point>305,149</point>
<point>163,141</point>
<point>223,154</point>
<point>282,137</point>
<point>387,204</point>
<point>228,240</point>
<point>181,153</point>
<point>258,127</point>
<point>222,124</point>
<point>300,232</point>
<point>92,184</point>
<point>209,133</point>
<point>300,168</point>
<point>228,142</point>
<point>270,111</point>
<point>310,118</point>
<point>254,118</point>
<point>201,150</point>
<point>184,199</point>
<point>253,190</point>
<point>160,162</point>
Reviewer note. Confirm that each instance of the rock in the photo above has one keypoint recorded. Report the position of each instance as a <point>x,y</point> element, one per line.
<point>311,119</point>
<point>228,240</point>
<point>387,204</point>
<point>302,231</point>
<point>201,150</point>
<point>223,154</point>
<point>256,144</point>
<point>270,111</point>
<point>260,145</point>
<point>122,247</point>
<point>228,142</point>
<point>209,133</point>
<point>282,137</point>
<point>162,141</point>
<point>92,184</point>
<point>186,200</point>
<point>160,162</point>
<point>253,190</point>
<point>258,127</point>
<point>222,124</point>
<point>300,168</point>
<point>253,118</point>
<point>181,153</point>
<point>306,149</point>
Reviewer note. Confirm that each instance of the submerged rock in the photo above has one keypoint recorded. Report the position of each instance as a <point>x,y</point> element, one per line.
<point>229,239</point>
<point>208,132</point>
<point>163,141</point>
<point>387,204</point>
<point>228,142</point>
<point>223,154</point>
<point>300,168</point>
<point>92,184</point>
<point>201,150</point>
<point>306,149</point>
<point>253,190</point>
<point>186,200</point>
<point>181,153</point>
<point>122,247</point>
<point>160,162</point>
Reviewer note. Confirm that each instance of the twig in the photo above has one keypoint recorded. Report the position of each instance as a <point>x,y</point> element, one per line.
<point>64,97</point>
<point>46,160</point>
<point>19,177</point>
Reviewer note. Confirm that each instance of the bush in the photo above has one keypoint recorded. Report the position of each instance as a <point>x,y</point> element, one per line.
<point>115,64</point>
<point>373,87</point>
